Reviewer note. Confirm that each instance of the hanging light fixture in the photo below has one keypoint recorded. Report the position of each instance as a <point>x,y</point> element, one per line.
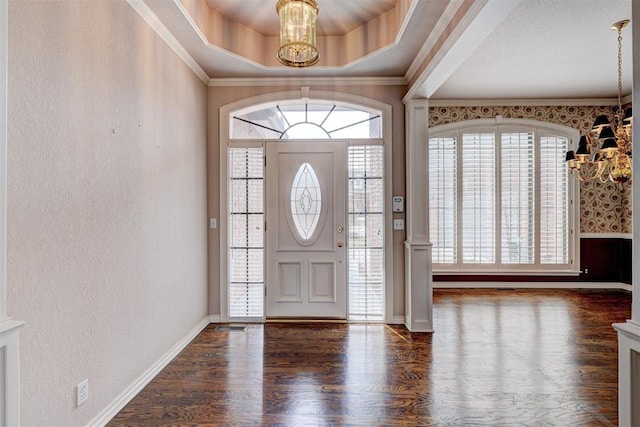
<point>297,32</point>
<point>612,161</point>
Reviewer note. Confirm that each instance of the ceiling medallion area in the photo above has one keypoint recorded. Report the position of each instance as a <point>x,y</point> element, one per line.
<point>297,32</point>
<point>270,33</point>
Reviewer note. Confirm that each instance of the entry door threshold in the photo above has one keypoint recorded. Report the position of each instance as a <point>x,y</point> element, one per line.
<point>304,320</point>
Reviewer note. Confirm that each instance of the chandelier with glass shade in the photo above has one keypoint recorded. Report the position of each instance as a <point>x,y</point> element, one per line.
<point>612,161</point>
<point>297,32</point>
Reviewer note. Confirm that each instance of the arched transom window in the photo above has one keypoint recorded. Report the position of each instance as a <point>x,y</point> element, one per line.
<point>305,120</point>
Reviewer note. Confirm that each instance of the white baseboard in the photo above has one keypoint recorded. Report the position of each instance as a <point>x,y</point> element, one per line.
<point>533,285</point>
<point>130,392</point>
<point>397,320</point>
<point>214,318</point>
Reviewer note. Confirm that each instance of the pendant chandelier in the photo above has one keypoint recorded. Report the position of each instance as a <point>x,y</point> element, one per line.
<point>612,161</point>
<point>297,32</point>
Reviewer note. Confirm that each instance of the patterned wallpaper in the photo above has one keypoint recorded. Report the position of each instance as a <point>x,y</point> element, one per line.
<point>604,208</point>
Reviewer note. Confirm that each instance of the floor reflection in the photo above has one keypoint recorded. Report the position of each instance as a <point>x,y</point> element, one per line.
<point>523,357</point>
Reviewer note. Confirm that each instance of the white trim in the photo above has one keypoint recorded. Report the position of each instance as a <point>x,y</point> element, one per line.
<point>626,236</point>
<point>497,125</point>
<point>523,101</point>
<point>332,81</point>
<point>480,20</point>
<point>156,25</point>
<point>443,23</point>
<point>628,342</point>
<point>10,380</point>
<point>214,318</point>
<point>355,100</point>
<point>532,285</point>
<point>139,383</point>
<point>501,121</point>
<point>489,272</point>
<point>397,320</point>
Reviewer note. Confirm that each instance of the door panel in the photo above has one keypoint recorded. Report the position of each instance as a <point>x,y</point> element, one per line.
<point>305,252</point>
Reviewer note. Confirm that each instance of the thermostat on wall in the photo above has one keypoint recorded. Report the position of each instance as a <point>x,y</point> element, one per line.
<point>398,204</point>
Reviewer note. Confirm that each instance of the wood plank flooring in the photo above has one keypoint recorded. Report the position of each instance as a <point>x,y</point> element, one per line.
<point>498,357</point>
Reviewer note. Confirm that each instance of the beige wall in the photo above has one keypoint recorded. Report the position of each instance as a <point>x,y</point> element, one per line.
<point>107,249</point>
<point>220,96</point>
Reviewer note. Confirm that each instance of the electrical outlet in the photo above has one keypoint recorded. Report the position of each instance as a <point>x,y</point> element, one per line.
<point>586,271</point>
<point>82,392</point>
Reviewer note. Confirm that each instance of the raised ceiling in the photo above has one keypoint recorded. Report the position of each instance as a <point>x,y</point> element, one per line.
<point>441,49</point>
<point>337,17</point>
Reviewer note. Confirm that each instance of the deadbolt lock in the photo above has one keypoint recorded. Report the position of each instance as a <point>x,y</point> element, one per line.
<point>340,229</point>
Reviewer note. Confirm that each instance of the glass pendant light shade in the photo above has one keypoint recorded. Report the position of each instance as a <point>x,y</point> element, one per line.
<point>297,32</point>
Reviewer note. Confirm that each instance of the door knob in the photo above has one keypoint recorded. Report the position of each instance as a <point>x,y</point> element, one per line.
<point>340,243</point>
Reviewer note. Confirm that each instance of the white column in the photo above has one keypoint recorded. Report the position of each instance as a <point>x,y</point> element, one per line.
<point>629,332</point>
<point>418,271</point>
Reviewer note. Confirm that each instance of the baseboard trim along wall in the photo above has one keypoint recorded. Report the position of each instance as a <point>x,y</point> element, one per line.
<point>533,285</point>
<point>397,320</point>
<point>214,318</point>
<point>130,392</point>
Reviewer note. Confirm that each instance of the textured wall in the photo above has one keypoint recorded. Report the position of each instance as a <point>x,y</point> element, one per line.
<point>106,202</point>
<point>604,208</point>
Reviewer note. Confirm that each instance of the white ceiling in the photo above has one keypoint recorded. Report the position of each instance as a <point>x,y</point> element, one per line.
<point>548,49</point>
<point>500,49</point>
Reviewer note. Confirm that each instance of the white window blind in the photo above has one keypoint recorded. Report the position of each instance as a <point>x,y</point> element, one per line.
<point>366,232</point>
<point>443,194</point>
<point>517,208</point>
<point>500,199</point>
<point>246,232</point>
<point>478,198</point>
<point>554,201</point>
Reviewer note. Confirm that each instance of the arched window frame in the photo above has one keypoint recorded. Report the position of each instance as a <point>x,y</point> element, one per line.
<point>499,126</point>
<point>282,119</point>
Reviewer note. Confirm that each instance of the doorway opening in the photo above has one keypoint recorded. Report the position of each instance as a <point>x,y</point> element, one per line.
<point>306,229</point>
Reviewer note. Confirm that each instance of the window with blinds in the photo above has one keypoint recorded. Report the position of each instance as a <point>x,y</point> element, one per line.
<point>443,195</point>
<point>554,201</point>
<point>517,207</point>
<point>246,232</point>
<point>366,232</point>
<point>500,199</point>
<point>478,177</point>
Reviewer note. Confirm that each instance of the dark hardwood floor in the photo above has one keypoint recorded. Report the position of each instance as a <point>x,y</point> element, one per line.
<point>498,357</point>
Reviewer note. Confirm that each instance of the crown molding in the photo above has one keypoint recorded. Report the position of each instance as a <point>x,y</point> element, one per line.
<point>311,81</point>
<point>533,102</point>
<point>156,25</point>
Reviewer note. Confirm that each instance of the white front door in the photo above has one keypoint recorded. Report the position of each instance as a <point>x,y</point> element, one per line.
<point>306,238</point>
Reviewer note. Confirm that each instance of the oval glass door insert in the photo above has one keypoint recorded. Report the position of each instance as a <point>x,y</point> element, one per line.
<point>306,201</point>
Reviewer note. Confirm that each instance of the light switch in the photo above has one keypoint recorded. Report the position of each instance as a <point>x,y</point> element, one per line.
<point>398,224</point>
<point>213,223</point>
